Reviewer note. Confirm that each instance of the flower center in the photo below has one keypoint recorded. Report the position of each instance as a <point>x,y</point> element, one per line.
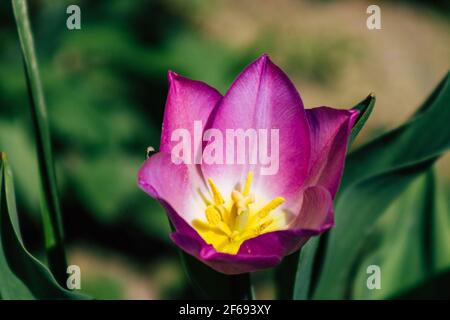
<point>229,223</point>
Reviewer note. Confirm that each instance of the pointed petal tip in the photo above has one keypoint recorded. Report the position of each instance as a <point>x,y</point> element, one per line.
<point>174,80</point>
<point>263,59</point>
<point>172,75</point>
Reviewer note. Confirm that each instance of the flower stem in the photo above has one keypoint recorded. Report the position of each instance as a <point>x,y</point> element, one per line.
<point>51,213</point>
<point>241,287</point>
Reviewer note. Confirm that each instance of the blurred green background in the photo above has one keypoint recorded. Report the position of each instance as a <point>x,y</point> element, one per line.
<point>106,86</point>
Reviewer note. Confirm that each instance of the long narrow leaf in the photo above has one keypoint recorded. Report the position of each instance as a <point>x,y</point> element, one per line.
<point>51,212</point>
<point>418,142</point>
<point>22,276</point>
<point>358,209</point>
<point>424,136</point>
<point>365,108</point>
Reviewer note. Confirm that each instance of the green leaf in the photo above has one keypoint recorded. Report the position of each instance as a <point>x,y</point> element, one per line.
<point>51,212</point>
<point>401,244</point>
<point>21,275</point>
<point>284,276</point>
<point>375,176</point>
<point>365,108</point>
<point>434,288</point>
<point>210,284</point>
<point>357,211</point>
<point>305,270</point>
<point>299,273</point>
<point>413,243</point>
<point>15,141</point>
<point>424,136</point>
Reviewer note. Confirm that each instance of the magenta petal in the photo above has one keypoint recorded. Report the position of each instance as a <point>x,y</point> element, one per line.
<point>266,250</point>
<point>316,213</point>
<point>174,184</point>
<point>187,101</point>
<point>255,254</point>
<point>315,216</point>
<point>190,241</point>
<point>263,97</point>
<point>311,145</point>
<point>330,131</point>
<point>223,262</point>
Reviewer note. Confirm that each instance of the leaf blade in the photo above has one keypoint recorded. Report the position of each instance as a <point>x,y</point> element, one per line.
<point>22,275</point>
<point>406,151</point>
<point>365,109</point>
<point>310,261</point>
<point>51,212</point>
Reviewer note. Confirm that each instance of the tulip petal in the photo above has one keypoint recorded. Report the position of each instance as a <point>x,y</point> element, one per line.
<point>255,254</point>
<point>315,217</point>
<point>178,185</point>
<point>187,101</point>
<point>330,131</point>
<point>223,262</point>
<point>309,164</point>
<point>316,213</point>
<point>266,250</point>
<point>263,97</point>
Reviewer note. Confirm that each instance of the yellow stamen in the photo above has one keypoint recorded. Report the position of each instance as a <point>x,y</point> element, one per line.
<point>231,222</point>
<point>236,195</point>
<point>213,215</point>
<point>248,183</point>
<point>204,199</point>
<point>220,230</point>
<point>264,226</point>
<point>224,228</point>
<point>217,197</point>
<point>274,203</point>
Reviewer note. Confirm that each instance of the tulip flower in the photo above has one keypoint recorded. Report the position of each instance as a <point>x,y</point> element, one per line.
<point>231,215</point>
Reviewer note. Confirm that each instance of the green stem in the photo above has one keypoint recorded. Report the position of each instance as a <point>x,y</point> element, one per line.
<point>241,287</point>
<point>285,274</point>
<point>51,212</point>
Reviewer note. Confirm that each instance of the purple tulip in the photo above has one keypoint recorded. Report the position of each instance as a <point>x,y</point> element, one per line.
<point>231,215</point>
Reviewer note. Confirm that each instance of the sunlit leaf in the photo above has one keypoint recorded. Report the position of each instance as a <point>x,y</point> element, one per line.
<point>51,211</point>
<point>375,176</point>
<point>294,277</point>
<point>21,275</point>
<point>412,242</point>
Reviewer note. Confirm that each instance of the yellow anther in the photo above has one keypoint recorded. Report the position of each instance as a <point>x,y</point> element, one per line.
<point>248,183</point>
<point>273,204</point>
<point>246,200</point>
<point>221,227</point>
<point>242,219</point>
<point>215,192</point>
<point>243,203</point>
<point>224,228</point>
<point>236,195</point>
<point>264,225</point>
<point>231,221</point>
<point>201,225</point>
<point>213,215</point>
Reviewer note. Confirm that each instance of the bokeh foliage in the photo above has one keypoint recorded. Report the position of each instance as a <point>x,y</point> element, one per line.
<point>106,86</point>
